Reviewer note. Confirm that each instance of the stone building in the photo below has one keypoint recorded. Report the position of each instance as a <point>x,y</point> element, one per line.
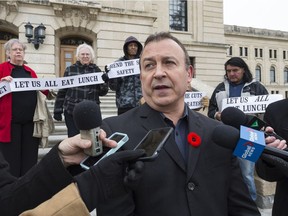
<point>105,24</point>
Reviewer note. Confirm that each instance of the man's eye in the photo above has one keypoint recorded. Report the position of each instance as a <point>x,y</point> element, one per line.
<point>169,62</point>
<point>148,66</point>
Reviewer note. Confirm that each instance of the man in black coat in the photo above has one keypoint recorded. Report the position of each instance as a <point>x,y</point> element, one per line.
<point>276,116</point>
<point>189,176</point>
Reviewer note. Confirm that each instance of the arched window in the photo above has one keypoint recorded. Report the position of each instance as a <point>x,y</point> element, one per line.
<point>272,75</point>
<point>258,73</point>
<point>285,75</point>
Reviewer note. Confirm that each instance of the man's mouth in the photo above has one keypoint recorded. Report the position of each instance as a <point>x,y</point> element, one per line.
<point>160,87</point>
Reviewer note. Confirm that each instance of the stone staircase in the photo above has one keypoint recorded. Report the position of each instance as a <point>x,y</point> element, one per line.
<point>108,108</point>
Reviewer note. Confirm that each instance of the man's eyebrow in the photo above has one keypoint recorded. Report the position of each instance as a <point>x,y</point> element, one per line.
<point>148,59</point>
<point>163,58</point>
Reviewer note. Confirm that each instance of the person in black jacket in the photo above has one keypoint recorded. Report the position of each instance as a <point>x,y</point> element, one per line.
<point>68,98</point>
<point>238,82</point>
<point>50,176</point>
<point>191,175</point>
<point>128,88</point>
<point>276,116</point>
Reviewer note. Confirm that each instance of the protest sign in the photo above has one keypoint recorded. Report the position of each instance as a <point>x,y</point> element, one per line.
<point>251,104</point>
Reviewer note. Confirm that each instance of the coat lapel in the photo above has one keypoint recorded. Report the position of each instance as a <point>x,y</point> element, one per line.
<point>155,120</point>
<point>194,152</point>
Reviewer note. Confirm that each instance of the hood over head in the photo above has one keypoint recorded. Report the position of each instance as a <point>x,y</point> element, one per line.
<point>129,40</point>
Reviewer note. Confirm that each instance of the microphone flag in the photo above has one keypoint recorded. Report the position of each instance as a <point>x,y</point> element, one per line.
<point>250,145</point>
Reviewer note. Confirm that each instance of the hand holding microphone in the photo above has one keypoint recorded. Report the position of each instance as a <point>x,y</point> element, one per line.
<point>235,118</point>
<point>228,137</point>
<point>274,141</point>
<point>87,117</point>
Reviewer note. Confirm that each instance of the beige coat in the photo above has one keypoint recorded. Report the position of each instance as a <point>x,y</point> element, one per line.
<point>43,121</point>
<point>64,203</point>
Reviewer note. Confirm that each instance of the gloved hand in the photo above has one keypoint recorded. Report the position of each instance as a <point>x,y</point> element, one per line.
<point>110,177</point>
<point>105,77</point>
<point>57,116</point>
<point>278,162</point>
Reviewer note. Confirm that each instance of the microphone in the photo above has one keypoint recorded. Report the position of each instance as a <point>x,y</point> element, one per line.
<point>228,137</point>
<point>87,117</point>
<point>235,117</point>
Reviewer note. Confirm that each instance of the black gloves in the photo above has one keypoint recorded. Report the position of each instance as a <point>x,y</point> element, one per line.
<point>105,75</point>
<point>110,178</point>
<point>57,116</point>
<point>106,69</point>
<point>278,162</point>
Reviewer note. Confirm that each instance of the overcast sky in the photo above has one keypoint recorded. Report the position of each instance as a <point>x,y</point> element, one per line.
<point>269,14</point>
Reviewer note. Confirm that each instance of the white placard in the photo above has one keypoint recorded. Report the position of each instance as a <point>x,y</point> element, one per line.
<point>193,99</point>
<point>123,68</point>
<point>251,104</point>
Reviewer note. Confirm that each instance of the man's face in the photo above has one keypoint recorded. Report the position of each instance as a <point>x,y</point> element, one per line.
<point>16,54</point>
<point>164,76</point>
<point>132,49</point>
<point>234,73</point>
<point>85,56</point>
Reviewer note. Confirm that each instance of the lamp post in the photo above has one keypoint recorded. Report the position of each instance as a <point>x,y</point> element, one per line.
<point>39,34</point>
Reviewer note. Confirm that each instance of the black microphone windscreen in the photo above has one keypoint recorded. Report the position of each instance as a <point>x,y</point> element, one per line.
<point>226,136</point>
<point>233,117</point>
<point>87,115</point>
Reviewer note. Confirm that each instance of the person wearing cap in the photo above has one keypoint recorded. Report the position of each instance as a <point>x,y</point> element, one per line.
<point>238,82</point>
<point>128,88</point>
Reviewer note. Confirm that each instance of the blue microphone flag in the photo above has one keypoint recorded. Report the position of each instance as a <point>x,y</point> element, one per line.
<point>250,145</point>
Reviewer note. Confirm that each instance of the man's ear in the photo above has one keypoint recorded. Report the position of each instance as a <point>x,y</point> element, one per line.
<point>190,73</point>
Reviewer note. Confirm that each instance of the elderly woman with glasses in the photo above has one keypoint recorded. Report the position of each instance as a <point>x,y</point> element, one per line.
<point>17,143</point>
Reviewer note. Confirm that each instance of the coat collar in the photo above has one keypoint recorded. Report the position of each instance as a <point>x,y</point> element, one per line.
<point>153,118</point>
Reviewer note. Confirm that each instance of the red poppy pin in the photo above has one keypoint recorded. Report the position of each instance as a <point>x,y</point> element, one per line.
<point>194,139</point>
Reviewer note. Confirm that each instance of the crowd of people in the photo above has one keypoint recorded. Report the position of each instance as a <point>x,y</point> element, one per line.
<point>202,179</point>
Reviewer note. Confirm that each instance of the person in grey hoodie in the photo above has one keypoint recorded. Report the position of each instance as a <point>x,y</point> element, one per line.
<point>128,88</point>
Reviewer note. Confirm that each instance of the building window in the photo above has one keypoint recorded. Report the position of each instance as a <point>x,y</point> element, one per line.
<point>246,51</point>
<point>286,94</point>
<point>272,54</point>
<point>256,52</point>
<point>258,73</point>
<point>284,54</point>
<point>285,75</point>
<point>261,53</point>
<point>178,15</point>
<point>243,51</point>
<point>230,51</point>
<point>272,75</point>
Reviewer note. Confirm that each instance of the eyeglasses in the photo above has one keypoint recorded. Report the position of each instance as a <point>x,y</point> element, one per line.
<point>85,54</point>
<point>17,49</point>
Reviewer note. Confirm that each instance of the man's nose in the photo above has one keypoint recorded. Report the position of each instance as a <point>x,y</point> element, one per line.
<point>160,71</point>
